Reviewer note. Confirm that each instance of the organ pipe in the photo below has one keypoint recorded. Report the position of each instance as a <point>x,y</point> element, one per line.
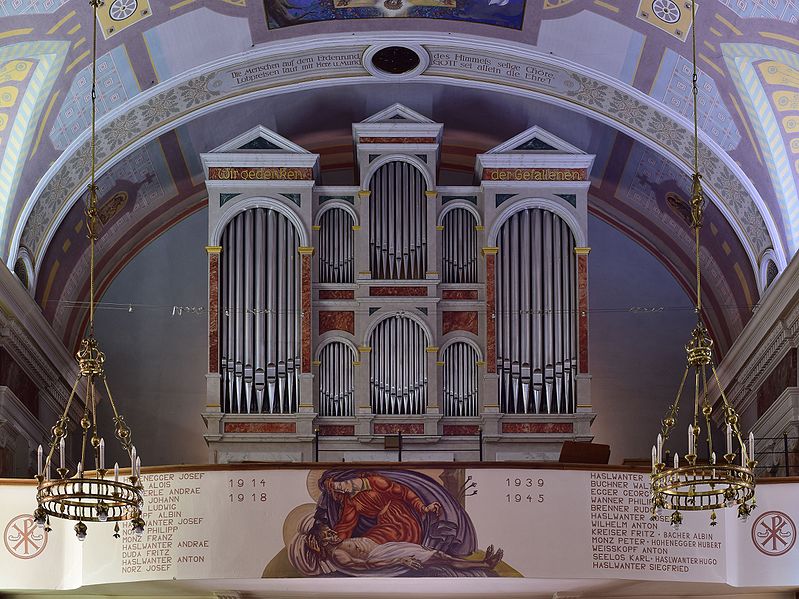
<point>336,263</point>
<point>260,316</point>
<point>536,314</point>
<point>460,380</point>
<point>459,247</point>
<point>398,367</point>
<point>336,380</point>
<point>398,222</point>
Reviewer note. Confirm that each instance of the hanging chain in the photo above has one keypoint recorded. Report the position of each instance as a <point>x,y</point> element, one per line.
<point>697,196</point>
<point>91,210</point>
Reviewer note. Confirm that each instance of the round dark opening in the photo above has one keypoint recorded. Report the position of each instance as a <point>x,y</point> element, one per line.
<point>395,60</point>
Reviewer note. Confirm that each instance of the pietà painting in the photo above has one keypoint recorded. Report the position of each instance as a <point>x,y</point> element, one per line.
<point>385,523</point>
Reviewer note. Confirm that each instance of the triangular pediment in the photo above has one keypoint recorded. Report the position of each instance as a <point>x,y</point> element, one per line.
<point>536,140</point>
<point>397,113</point>
<point>262,140</point>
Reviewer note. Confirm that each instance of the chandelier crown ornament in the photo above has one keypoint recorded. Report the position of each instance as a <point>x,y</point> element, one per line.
<point>83,496</point>
<point>701,481</point>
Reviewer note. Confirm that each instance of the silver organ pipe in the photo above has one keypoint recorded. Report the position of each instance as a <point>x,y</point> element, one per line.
<point>460,380</point>
<point>536,314</point>
<point>398,222</point>
<point>336,250</point>
<point>459,247</point>
<point>398,367</point>
<point>336,380</point>
<point>260,315</point>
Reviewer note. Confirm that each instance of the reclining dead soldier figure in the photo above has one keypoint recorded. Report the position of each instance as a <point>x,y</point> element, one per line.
<point>361,554</point>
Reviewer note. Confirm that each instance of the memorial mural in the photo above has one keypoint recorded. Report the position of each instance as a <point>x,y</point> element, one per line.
<point>384,523</point>
<point>502,13</point>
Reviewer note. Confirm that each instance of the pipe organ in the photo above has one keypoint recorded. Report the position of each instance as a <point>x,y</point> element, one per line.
<point>260,335</point>
<point>336,262</point>
<point>336,383</point>
<point>329,305</point>
<point>398,366</point>
<point>536,340</point>
<point>459,247</point>
<point>397,222</point>
<point>460,382</point>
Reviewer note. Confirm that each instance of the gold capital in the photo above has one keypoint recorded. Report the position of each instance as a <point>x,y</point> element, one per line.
<point>356,227</point>
<point>439,227</point>
<point>431,349</point>
<point>316,227</point>
<point>364,349</point>
<point>479,228</point>
<point>364,193</point>
<point>213,249</point>
<point>582,251</point>
<point>432,195</point>
<point>306,250</point>
<point>490,250</point>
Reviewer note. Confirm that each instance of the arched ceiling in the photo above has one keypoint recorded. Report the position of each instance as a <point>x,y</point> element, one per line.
<point>613,77</point>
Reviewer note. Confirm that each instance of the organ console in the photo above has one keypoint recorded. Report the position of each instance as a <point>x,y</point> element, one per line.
<point>455,316</point>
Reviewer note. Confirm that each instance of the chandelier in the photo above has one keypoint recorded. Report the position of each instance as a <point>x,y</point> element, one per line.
<point>101,495</point>
<point>702,481</point>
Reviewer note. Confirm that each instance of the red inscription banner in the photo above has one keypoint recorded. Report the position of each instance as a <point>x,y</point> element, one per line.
<point>260,173</point>
<point>535,174</point>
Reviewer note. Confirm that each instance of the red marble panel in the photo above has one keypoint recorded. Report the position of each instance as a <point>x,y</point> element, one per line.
<point>397,291</point>
<point>459,321</point>
<point>537,427</point>
<point>336,320</point>
<point>306,313</point>
<point>397,140</point>
<point>384,428</point>
<point>582,312</point>
<point>260,427</point>
<point>325,294</point>
<point>213,313</point>
<point>459,294</point>
<point>461,430</point>
<point>491,323</point>
<point>336,430</point>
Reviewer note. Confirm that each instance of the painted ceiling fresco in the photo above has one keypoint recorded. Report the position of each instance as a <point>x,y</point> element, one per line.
<point>624,63</point>
<point>504,13</point>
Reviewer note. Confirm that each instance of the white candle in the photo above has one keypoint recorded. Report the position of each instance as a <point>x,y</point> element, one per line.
<point>751,446</point>
<point>654,457</point>
<point>729,438</point>
<point>138,467</point>
<point>690,439</point>
<point>116,472</point>
<point>713,458</point>
<point>102,454</point>
<point>80,470</point>
<point>660,448</point>
<point>39,460</point>
<point>132,460</point>
<point>61,451</point>
<point>676,460</point>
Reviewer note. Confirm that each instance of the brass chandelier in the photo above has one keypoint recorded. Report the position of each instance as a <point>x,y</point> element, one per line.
<point>102,495</point>
<point>701,481</point>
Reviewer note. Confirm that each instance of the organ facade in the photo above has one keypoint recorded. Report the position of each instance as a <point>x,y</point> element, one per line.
<point>341,317</point>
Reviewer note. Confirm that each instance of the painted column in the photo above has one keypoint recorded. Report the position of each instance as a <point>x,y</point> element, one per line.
<point>213,377</point>
<point>306,332</point>
<point>583,378</point>
<point>306,252</point>
<point>361,241</point>
<point>432,236</point>
<point>490,400</point>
